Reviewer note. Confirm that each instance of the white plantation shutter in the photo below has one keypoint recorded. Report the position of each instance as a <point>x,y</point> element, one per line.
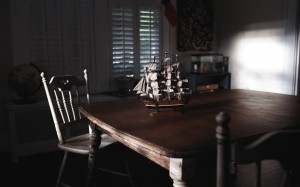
<point>135,39</point>
<point>123,42</point>
<point>149,36</point>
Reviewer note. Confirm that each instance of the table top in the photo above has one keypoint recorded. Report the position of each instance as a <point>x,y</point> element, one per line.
<point>191,130</point>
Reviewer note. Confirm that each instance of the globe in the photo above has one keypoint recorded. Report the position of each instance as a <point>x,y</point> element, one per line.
<point>25,80</point>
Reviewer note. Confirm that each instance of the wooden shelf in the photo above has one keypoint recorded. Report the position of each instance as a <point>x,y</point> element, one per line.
<point>213,81</point>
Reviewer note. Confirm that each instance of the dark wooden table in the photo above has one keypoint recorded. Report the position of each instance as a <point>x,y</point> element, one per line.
<point>174,140</point>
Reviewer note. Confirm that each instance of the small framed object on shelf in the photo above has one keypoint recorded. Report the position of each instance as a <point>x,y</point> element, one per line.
<point>209,63</point>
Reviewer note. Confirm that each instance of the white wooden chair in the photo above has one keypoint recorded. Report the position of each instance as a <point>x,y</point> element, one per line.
<point>72,130</point>
<point>281,146</point>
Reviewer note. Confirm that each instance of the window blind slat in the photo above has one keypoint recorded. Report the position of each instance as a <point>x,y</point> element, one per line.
<point>125,43</point>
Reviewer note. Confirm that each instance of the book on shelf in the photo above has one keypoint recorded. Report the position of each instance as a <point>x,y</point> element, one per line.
<point>207,88</point>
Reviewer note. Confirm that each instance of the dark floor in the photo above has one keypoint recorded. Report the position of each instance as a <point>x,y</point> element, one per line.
<point>41,170</point>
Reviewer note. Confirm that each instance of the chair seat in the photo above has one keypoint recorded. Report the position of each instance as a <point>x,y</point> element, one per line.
<point>80,144</point>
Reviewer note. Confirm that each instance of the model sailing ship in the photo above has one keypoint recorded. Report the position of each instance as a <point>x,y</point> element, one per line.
<point>163,84</point>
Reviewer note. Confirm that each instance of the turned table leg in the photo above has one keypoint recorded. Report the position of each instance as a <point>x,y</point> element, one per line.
<point>94,148</point>
<point>182,171</point>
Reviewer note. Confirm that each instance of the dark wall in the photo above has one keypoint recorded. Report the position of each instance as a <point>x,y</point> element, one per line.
<point>5,58</point>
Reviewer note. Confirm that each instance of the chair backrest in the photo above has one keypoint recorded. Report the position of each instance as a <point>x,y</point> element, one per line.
<point>68,92</point>
<point>280,145</point>
<point>223,150</point>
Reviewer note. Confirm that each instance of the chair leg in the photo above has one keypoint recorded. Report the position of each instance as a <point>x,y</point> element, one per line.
<point>285,181</point>
<point>233,173</point>
<point>258,174</point>
<point>126,157</point>
<point>62,168</point>
<point>130,176</point>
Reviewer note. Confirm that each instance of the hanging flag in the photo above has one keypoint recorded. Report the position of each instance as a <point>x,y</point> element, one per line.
<point>170,12</point>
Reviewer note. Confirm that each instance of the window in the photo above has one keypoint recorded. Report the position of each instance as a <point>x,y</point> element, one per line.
<point>135,39</point>
<point>57,36</point>
<point>65,37</point>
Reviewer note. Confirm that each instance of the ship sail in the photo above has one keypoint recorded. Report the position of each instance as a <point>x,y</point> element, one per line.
<point>141,86</point>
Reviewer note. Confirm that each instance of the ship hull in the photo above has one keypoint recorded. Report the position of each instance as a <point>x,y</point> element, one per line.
<point>152,104</point>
